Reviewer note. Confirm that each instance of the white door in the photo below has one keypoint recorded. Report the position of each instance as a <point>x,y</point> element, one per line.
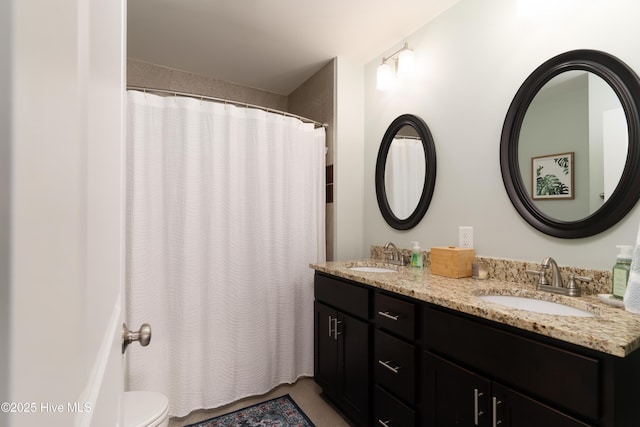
<point>67,213</point>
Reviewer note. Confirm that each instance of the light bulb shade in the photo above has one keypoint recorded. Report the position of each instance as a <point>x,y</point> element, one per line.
<point>406,63</point>
<point>384,77</point>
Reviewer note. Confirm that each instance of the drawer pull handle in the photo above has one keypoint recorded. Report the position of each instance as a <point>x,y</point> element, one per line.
<point>476,411</point>
<point>388,315</point>
<point>389,367</point>
<point>496,421</point>
<point>335,328</point>
<point>384,423</point>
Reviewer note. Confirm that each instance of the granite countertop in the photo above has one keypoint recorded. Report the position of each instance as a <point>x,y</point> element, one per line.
<point>613,330</point>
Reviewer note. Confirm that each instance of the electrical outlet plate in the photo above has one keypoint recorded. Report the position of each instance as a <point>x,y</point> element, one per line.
<point>465,237</point>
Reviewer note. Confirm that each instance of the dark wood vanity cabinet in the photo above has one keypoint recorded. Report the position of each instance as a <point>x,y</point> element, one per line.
<point>388,360</point>
<point>475,369</point>
<point>366,356</point>
<point>342,339</point>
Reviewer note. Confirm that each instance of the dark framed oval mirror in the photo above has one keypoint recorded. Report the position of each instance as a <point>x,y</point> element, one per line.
<point>570,148</point>
<point>405,172</point>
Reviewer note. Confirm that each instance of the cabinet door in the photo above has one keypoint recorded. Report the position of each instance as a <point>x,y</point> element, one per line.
<point>342,366</point>
<point>516,410</point>
<point>327,373</point>
<point>354,338</point>
<point>454,396</point>
<point>510,358</point>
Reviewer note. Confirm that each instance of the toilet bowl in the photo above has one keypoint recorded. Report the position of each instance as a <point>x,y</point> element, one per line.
<point>145,409</point>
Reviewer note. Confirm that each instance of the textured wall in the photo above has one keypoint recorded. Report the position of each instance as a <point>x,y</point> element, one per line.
<point>158,77</point>
<point>315,99</point>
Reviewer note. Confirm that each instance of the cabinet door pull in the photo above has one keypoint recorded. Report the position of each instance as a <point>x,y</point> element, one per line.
<point>389,367</point>
<point>476,411</point>
<point>330,326</point>
<point>496,421</point>
<point>335,328</point>
<point>384,423</point>
<point>388,315</point>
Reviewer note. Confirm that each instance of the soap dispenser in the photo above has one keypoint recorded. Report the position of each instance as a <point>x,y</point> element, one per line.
<point>416,255</point>
<point>620,272</point>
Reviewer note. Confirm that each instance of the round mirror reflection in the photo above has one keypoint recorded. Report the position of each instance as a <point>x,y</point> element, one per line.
<point>405,172</point>
<point>570,144</point>
<point>573,145</point>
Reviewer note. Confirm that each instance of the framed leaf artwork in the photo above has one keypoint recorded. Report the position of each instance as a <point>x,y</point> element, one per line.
<point>552,177</point>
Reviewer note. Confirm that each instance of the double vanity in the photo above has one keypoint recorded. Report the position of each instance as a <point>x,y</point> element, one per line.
<point>398,346</point>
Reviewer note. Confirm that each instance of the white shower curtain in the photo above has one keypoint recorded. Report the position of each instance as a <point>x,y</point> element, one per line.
<point>404,175</point>
<point>225,212</point>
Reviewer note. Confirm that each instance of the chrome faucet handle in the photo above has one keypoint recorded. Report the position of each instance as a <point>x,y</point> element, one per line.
<point>542,277</point>
<point>572,286</point>
<point>582,278</point>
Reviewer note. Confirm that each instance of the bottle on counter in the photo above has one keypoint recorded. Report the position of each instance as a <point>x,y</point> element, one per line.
<point>416,255</point>
<point>620,276</point>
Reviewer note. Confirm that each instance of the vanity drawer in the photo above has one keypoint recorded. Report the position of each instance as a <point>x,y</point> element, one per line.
<point>395,362</point>
<point>549,373</point>
<point>390,412</point>
<point>348,298</point>
<point>395,315</point>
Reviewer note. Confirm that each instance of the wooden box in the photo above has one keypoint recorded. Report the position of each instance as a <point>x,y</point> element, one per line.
<point>452,261</point>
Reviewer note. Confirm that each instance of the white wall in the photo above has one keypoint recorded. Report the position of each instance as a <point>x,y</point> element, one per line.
<point>472,59</point>
<point>5,189</point>
<point>65,209</point>
<point>46,188</point>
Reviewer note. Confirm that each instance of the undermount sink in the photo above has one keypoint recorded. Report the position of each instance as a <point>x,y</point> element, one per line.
<point>368,269</point>
<point>536,305</point>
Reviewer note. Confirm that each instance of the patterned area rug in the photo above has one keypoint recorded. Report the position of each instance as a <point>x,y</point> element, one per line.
<point>278,412</point>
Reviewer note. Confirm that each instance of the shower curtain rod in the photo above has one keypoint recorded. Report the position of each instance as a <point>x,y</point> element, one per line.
<point>226,101</point>
<point>417,138</point>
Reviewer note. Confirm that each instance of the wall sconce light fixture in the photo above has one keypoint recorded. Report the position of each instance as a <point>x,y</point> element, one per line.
<point>398,64</point>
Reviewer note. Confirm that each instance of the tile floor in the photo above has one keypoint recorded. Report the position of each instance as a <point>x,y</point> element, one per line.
<point>305,392</point>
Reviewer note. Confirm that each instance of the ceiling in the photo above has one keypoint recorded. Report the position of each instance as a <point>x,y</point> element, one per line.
<point>273,45</point>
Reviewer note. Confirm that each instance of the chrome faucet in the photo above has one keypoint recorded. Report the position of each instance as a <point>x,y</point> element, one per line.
<point>556,278</point>
<point>393,256</point>
<point>556,285</point>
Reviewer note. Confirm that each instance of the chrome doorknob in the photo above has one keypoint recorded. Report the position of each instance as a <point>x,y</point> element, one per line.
<point>143,336</point>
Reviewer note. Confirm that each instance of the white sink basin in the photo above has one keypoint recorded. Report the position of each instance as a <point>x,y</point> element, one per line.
<point>373,269</point>
<point>536,305</point>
